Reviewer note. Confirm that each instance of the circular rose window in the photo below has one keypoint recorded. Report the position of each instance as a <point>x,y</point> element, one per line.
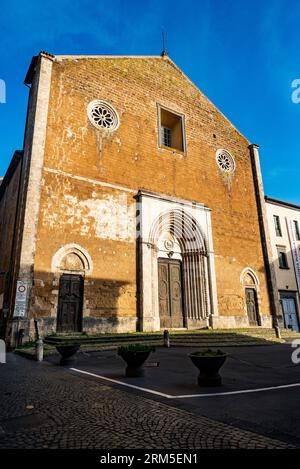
<point>103,116</point>
<point>225,161</point>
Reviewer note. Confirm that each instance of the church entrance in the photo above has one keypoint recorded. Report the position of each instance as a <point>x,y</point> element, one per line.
<point>170,293</point>
<point>69,315</point>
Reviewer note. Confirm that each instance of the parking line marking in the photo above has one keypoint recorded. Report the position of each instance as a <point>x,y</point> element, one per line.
<point>188,396</point>
<point>168,396</point>
<point>242,391</point>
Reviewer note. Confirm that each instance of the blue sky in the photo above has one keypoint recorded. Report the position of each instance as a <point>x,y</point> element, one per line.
<point>243,55</point>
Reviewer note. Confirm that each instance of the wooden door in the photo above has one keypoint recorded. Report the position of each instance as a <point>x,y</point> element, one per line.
<point>69,316</point>
<point>290,313</point>
<point>170,294</point>
<point>252,309</point>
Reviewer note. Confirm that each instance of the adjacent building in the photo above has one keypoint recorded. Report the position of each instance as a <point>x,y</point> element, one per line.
<point>284,228</point>
<point>140,206</point>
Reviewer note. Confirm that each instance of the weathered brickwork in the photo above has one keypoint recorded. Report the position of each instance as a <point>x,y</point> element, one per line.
<point>87,172</point>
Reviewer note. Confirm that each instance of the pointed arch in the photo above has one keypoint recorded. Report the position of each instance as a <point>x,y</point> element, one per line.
<point>252,274</point>
<point>68,250</point>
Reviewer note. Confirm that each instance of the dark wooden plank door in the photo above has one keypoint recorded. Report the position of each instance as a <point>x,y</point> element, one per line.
<point>252,310</point>
<point>170,294</point>
<point>176,294</point>
<point>69,316</point>
<point>164,294</point>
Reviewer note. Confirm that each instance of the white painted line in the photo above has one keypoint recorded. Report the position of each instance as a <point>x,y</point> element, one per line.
<point>168,396</point>
<point>188,396</point>
<point>242,391</point>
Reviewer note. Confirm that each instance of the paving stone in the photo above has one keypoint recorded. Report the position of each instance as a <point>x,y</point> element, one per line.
<point>74,411</point>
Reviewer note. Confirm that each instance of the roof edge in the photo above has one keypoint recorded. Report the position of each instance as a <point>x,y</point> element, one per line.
<point>282,203</point>
<point>32,67</point>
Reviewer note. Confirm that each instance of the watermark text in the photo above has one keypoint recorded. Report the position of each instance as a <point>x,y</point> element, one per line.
<point>2,92</point>
<point>296,93</point>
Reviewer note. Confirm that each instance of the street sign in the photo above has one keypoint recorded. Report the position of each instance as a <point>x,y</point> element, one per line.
<point>21,299</point>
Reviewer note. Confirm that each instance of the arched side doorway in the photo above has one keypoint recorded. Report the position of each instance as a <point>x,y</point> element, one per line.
<point>250,284</point>
<point>70,264</point>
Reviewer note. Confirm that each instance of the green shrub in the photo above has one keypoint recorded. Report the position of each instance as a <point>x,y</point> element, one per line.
<point>135,348</point>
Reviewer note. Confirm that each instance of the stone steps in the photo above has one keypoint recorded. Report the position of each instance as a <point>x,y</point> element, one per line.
<point>199,338</point>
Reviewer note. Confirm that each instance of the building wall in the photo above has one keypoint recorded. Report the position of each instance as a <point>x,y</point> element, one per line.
<point>286,278</point>
<point>86,171</point>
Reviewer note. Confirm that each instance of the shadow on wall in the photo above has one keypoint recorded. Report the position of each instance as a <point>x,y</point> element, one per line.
<point>111,305</point>
<point>71,301</point>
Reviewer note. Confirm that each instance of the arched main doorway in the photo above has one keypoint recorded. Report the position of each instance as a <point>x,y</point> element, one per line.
<point>180,269</point>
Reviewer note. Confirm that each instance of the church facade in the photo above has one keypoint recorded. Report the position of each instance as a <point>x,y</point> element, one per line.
<point>138,205</point>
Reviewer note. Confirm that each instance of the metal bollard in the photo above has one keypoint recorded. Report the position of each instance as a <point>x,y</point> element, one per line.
<point>21,334</point>
<point>166,338</point>
<point>39,350</point>
<point>277,332</point>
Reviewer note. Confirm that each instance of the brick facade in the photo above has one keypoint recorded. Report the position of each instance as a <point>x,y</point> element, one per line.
<point>90,179</point>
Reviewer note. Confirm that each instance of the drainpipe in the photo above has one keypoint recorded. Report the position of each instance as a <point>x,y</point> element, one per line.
<point>265,237</point>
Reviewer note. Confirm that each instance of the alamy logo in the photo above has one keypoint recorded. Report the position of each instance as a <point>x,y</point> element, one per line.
<point>296,353</point>
<point>2,92</point>
<point>296,92</point>
<point>2,352</point>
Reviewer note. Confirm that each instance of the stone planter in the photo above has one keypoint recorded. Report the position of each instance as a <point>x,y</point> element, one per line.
<point>67,353</point>
<point>209,367</point>
<point>135,361</point>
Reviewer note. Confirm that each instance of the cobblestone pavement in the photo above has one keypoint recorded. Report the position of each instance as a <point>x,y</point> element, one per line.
<point>46,406</point>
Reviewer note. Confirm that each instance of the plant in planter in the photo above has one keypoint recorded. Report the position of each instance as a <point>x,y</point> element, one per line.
<point>209,363</point>
<point>135,356</point>
<point>67,351</point>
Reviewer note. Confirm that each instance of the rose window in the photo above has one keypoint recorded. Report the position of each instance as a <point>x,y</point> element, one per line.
<point>225,161</point>
<point>102,115</point>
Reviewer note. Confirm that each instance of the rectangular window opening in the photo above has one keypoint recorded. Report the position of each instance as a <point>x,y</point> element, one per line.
<point>282,258</point>
<point>297,232</point>
<point>171,130</point>
<point>277,225</point>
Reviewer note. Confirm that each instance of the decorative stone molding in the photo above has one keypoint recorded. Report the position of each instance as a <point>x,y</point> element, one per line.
<point>103,116</point>
<point>186,228</point>
<point>60,261</point>
<point>250,272</point>
<point>225,161</point>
